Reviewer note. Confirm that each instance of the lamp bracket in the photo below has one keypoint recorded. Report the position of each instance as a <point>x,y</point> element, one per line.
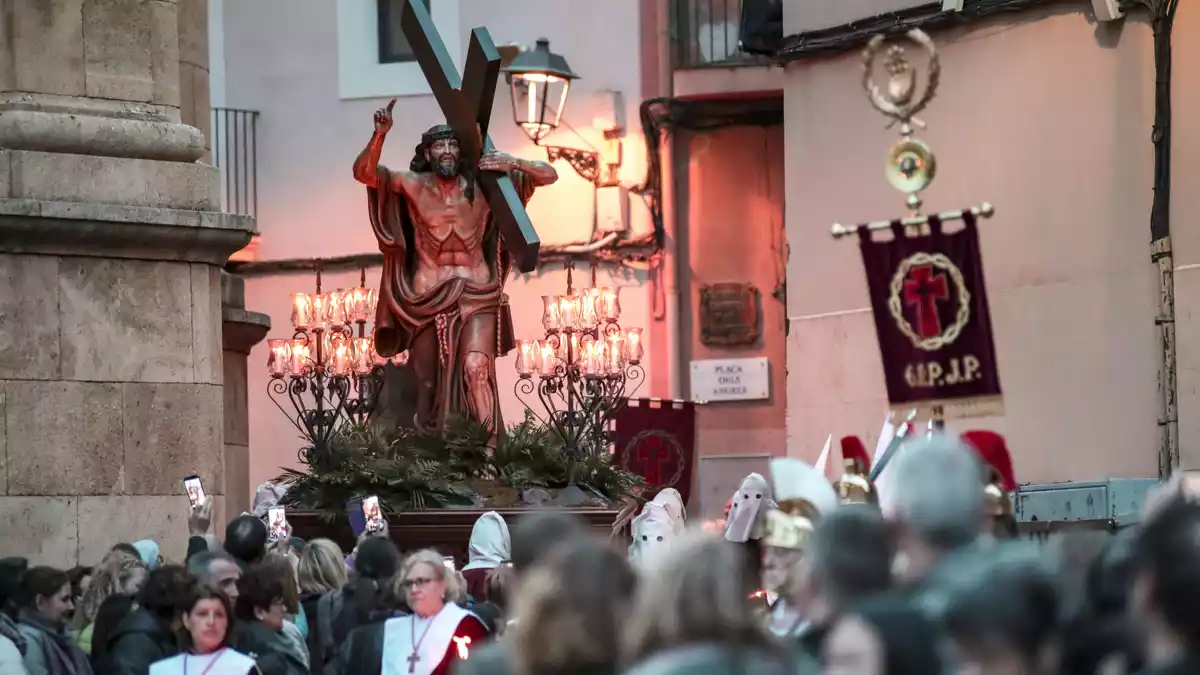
<point>585,162</point>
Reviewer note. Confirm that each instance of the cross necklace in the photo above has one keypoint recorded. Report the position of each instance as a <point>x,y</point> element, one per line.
<point>415,657</point>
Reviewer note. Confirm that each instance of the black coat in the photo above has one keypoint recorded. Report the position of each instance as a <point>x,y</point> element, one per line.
<point>362,652</point>
<point>140,639</point>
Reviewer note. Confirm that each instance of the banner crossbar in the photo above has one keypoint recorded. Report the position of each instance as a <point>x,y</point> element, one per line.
<point>984,210</point>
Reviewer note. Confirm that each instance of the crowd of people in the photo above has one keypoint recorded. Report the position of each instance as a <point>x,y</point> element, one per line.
<point>804,575</point>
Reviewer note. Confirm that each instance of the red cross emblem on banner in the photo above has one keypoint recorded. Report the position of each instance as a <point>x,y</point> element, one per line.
<point>924,289</point>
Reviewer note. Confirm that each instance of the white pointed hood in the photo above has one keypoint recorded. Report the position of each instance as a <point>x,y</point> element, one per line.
<point>672,501</point>
<point>490,544</point>
<point>653,530</point>
<point>752,499</point>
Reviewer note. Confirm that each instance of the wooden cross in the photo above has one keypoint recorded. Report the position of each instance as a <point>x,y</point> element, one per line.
<point>467,106</point>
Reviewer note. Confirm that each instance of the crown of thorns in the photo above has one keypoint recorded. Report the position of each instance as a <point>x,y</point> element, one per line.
<point>439,133</point>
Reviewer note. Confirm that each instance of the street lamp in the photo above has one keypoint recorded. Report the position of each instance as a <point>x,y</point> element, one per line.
<point>328,370</point>
<point>583,371</point>
<point>540,81</point>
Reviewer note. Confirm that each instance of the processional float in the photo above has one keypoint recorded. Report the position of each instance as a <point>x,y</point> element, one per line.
<point>924,271</point>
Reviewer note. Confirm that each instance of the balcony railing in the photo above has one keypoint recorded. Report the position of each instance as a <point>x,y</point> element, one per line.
<point>706,34</point>
<point>235,152</point>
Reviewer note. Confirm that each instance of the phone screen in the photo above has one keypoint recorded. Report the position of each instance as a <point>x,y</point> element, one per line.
<point>448,561</point>
<point>372,514</point>
<point>358,520</point>
<point>276,523</point>
<point>194,490</point>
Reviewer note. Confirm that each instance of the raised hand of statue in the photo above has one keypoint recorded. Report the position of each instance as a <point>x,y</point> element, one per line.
<point>383,118</point>
<point>498,161</point>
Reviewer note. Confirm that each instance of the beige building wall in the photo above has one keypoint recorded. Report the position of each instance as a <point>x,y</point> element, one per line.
<point>1048,116</point>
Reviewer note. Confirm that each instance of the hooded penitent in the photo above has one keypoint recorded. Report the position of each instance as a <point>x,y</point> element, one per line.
<point>749,503</point>
<point>653,530</point>
<point>490,545</point>
<point>488,548</point>
<point>855,487</point>
<point>672,501</point>
<point>1000,481</point>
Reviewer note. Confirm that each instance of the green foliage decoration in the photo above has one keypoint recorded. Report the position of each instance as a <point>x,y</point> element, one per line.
<point>413,470</point>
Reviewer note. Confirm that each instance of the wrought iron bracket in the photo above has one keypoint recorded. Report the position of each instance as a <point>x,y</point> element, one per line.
<point>585,162</point>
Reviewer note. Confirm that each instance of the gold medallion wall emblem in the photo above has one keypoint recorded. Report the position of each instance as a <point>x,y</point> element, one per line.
<point>922,283</point>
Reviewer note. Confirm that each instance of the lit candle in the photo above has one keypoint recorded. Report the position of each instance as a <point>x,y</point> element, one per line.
<point>363,355</point>
<point>335,308</point>
<point>526,357</point>
<point>600,355</point>
<point>587,308</point>
<point>610,304</point>
<point>358,304</point>
<point>616,356</point>
<point>547,363</point>
<point>550,320</point>
<point>633,345</point>
<point>586,362</point>
<point>299,363</point>
<point>277,361</point>
<point>318,311</point>
<point>340,360</point>
<point>302,311</point>
<point>568,309</point>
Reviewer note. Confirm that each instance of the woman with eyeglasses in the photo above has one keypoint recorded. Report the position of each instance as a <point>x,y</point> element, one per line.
<point>261,612</point>
<point>429,637</point>
<point>207,631</point>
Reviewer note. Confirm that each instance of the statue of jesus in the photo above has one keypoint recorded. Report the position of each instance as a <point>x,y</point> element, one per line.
<point>442,292</point>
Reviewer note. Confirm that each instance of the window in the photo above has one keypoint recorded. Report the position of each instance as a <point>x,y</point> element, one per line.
<point>365,29</point>
<point>393,46</point>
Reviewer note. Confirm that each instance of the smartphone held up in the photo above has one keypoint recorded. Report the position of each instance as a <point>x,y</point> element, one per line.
<point>372,515</point>
<point>194,490</point>
<point>277,527</point>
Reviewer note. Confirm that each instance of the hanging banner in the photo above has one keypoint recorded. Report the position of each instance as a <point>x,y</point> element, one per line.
<point>656,440</point>
<point>931,316</point>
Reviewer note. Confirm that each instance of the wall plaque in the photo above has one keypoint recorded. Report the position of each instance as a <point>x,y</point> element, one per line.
<point>731,380</point>
<point>729,314</point>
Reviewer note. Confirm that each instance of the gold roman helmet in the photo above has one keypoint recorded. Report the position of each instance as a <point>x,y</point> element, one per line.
<point>855,486</point>
<point>802,495</point>
<point>1000,479</point>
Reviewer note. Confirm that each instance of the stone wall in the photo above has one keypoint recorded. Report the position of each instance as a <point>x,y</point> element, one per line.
<point>111,243</point>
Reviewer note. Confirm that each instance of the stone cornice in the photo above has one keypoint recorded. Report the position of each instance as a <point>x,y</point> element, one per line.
<point>107,230</point>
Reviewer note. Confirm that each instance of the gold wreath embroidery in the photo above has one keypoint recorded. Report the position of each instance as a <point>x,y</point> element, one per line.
<point>896,307</point>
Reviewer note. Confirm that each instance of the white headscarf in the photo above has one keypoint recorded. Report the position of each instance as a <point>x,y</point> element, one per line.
<point>751,498</point>
<point>490,544</point>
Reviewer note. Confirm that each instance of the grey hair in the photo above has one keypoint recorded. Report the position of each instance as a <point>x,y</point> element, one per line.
<point>200,563</point>
<point>938,491</point>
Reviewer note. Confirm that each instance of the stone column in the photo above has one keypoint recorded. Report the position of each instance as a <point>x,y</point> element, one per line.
<point>111,244</point>
<point>240,331</point>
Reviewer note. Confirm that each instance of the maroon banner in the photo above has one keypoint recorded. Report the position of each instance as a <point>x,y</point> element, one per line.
<point>657,440</point>
<point>931,314</point>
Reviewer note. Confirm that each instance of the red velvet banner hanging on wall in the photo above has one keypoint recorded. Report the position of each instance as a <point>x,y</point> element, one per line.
<point>657,440</point>
<point>931,316</point>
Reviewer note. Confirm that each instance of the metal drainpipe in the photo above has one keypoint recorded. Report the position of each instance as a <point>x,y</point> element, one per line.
<point>1162,20</point>
<point>669,275</point>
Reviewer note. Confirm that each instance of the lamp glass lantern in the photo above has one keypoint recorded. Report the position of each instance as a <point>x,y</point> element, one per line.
<point>540,81</point>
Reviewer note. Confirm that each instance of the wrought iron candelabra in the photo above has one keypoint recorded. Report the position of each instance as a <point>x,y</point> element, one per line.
<point>328,371</point>
<point>583,371</point>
